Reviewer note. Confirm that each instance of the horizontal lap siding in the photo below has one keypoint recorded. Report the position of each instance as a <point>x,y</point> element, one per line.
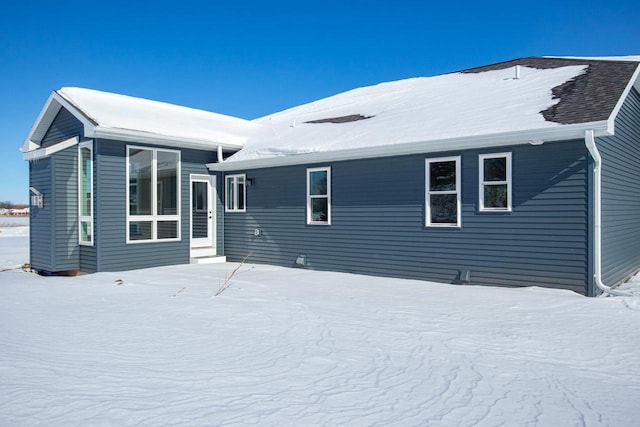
<point>621,194</point>
<point>113,251</point>
<point>64,126</point>
<point>378,221</point>
<point>40,219</point>
<point>65,178</point>
<point>54,228</point>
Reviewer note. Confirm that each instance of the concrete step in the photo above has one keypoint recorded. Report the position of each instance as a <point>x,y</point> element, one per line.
<point>209,260</point>
<point>202,252</point>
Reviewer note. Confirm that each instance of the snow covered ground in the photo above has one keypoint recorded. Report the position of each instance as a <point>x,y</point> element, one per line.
<point>293,347</point>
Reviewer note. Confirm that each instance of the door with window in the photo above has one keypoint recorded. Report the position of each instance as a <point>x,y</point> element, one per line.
<point>202,211</point>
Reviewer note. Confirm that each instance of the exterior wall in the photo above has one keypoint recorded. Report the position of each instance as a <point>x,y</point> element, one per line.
<point>111,204</point>
<point>621,194</point>
<point>65,224</point>
<point>64,126</point>
<point>378,217</point>
<point>54,228</point>
<point>41,219</point>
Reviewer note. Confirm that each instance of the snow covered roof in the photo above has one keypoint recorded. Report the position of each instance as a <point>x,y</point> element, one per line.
<point>520,101</point>
<point>113,116</point>
<point>552,99</point>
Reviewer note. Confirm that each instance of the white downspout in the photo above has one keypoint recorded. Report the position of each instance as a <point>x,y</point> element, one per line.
<point>590,143</point>
<point>220,156</point>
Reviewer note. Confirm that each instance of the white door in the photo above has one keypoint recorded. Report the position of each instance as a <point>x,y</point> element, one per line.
<point>202,211</point>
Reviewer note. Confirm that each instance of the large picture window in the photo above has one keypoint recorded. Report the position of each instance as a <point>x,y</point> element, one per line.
<point>235,193</point>
<point>153,194</point>
<point>319,196</point>
<point>85,193</point>
<point>443,192</point>
<point>495,182</point>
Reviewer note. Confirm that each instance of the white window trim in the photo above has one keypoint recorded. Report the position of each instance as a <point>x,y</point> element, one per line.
<point>154,218</point>
<point>85,218</point>
<point>326,169</point>
<point>235,192</point>
<point>482,182</point>
<point>457,192</point>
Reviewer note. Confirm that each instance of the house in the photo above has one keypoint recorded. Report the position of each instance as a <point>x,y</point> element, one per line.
<point>520,173</point>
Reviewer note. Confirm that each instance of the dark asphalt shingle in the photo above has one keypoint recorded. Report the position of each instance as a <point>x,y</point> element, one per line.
<point>589,97</point>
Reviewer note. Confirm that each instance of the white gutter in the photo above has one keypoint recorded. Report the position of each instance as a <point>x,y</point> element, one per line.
<point>128,135</point>
<point>590,143</point>
<point>554,133</point>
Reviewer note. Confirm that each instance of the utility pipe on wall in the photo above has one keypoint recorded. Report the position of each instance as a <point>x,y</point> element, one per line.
<point>590,143</point>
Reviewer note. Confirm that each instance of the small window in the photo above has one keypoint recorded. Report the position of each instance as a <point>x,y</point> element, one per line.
<point>85,193</point>
<point>319,196</point>
<point>235,193</point>
<point>443,192</point>
<point>495,182</point>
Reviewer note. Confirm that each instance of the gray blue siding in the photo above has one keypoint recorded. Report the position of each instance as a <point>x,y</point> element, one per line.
<point>41,219</point>
<point>113,251</point>
<point>65,179</point>
<point>378,221</point>
<point>621,194</point>
<point>64,126</point>
<point>54,228</point>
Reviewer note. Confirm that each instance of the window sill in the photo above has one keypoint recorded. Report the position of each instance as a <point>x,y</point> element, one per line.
<point>135,242</point>
<point>494,211</point>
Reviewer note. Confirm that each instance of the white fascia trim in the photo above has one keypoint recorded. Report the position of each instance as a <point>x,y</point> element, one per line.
<point>41,153</point>
<point>635,81</point>
<point>48,113</point>
<point>127,135</point>
<point>556,133</point>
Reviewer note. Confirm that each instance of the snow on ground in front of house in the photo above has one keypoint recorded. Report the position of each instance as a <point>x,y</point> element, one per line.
<point>413,110</point>
<point>294,347</point>
<point>14,242</point>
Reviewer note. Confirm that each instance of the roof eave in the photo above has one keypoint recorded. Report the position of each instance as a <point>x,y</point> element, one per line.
<point>140,137</point>
<point>537,136</point>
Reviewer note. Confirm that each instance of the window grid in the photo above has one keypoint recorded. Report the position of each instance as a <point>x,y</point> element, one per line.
<point>324,196</point>
<point>235,193</point>
<point>152,221</point>
<point>435,193</point>
<point>483,184</point>
<point>85,193</point>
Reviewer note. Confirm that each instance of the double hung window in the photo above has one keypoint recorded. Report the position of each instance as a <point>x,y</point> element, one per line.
<point>495,182</point>
<point>319,196</point>
<point>85,193</point>
<point>235,193</point>
<point>443,192</point>
<point>153,194</point>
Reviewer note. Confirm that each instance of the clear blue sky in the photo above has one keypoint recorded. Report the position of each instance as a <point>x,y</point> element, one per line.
<point>251,58</point>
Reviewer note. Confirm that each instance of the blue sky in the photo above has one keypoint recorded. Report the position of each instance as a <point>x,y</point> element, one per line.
<point>251,58</point>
